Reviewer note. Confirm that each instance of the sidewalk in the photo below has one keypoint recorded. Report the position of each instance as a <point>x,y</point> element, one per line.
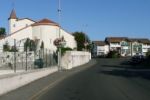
<point>22,77</point>
<point>28,92</point>
<point>6,72</point>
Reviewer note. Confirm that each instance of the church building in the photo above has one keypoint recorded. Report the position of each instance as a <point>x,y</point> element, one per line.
<point>45,31</point>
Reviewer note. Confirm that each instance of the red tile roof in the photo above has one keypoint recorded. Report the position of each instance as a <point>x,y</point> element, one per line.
<point>45,22</point>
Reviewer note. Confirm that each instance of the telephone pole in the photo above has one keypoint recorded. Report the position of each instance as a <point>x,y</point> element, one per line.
<point>59,35</point>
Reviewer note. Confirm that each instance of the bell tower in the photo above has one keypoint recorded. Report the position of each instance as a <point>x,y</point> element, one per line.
<point>12,21</point>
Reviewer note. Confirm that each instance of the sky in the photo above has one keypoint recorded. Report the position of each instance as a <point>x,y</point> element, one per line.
<point>97,18</point>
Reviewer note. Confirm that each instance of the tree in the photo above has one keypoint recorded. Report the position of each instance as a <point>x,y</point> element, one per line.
<point>42,48</point>
<point>26,44</point>
<point>30,45</point>
<point>83,41</point>
<point>2,31</point>
<point>42,45</point>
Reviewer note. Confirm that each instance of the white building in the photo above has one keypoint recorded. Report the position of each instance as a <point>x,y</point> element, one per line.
<point>100,48</point>
<point>44,30</point>
<point>128,46</point>
<point>140,46</point>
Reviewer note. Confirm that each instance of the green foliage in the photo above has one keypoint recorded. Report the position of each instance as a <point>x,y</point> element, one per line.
<point>26,44</point>
<point>6,47</point>
<point>64,49</point>
<point>13,49</point>
<point>81,38</point>
<point>113,54</point>
<point>2,31</point>
<point>32,46</point>
<point>42,45</point>
<point>29,45</point>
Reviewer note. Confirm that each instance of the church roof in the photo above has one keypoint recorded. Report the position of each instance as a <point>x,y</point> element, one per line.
<point>13,14</point>
<point>45,22</point>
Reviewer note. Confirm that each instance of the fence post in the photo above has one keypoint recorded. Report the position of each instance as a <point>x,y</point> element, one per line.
<point>49,58</point>
<point>52,58</point>
<point>46,57</point>
<point>15,55</point>
<point>34,59</point>
<point>26,59</point>
<point>22,59</point>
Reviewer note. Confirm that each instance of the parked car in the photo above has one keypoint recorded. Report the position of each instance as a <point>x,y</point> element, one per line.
<point>137,59</point>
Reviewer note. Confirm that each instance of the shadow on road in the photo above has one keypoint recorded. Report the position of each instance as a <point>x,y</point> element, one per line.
<point>127,73</point>
<point>125,70</point>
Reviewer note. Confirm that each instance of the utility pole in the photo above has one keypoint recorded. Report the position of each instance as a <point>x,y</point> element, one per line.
<point>85,38</point>
<point>59,35</point>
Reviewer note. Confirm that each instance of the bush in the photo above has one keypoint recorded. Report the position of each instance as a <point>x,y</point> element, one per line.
<point>6,47</point>
<point>63,50</point>
<point>113,54</point>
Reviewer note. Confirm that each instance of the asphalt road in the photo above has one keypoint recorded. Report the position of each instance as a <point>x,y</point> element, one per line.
<point>101,79</point>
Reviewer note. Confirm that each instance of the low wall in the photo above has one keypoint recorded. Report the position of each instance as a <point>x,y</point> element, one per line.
<point>70,60</point>
<point>17,80</point>
<point>73,59</point>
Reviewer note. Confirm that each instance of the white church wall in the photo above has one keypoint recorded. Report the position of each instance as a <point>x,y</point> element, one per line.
<point>16,24</point>
<point>25,33</point>
<point>48,34</point>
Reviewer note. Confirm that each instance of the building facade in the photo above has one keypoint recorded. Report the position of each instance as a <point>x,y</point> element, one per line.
<point>129,46</point>
<point>124,46</point>
<point>100,48</point>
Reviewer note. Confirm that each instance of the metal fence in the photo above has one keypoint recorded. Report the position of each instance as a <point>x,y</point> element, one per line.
<point>27,60</point>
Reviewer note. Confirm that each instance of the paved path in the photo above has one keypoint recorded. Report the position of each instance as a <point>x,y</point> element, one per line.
<point>105,80</point>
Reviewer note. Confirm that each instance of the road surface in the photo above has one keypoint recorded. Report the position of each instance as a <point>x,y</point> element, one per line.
<point>101,79</point>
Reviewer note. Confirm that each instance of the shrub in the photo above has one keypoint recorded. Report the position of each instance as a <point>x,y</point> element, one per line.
<point>64,49</point>
<point>113,54</point>
<point>6,47</point>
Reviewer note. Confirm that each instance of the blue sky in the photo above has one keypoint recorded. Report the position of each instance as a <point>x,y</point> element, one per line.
<point>98,18</point>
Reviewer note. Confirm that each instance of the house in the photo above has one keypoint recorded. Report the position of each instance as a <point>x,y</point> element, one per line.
<point>128,46</point>
<point>119,44</point>
<point>145,45</point>
<point>140,46</point>
<point>44,30</point>
<point>100,48</point>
